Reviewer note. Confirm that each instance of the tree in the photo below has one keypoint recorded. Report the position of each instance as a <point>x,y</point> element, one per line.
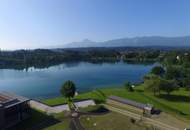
<point>173,73</point>
<point>170,58</point>
<point>128,86</point>
<point>158,70</point>
<point>186,83</point>
<point>153,83</point>
<point>68,91</point>
<point>168,86</point>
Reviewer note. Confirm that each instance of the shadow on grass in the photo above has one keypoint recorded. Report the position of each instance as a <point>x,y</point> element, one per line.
<point>140,91</point>
<point>174,98</point>
<point>37,121</point>
<point>94,110</point>
<point>100,110</point>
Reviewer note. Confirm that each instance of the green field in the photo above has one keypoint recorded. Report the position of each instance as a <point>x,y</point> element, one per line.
<point>96,95</point>
<point>111,121</point>
<point>177,104</point>
<point>42,121</point>
<point>59,126</point>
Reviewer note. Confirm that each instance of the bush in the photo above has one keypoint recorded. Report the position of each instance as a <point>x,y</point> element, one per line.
<point>128,87</point>
<point>132,120</point>
<point>158,70</point>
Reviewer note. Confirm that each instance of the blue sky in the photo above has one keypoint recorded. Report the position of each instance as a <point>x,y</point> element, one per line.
<point>44,23</point>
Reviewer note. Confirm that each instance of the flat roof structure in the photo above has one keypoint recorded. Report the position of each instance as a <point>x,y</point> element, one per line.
<point>13,109</point>
<point>3,98</point>
<point>128,102</point>
<point>9,99</point>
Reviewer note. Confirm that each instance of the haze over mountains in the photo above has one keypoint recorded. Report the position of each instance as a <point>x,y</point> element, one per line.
<point>134,42</point>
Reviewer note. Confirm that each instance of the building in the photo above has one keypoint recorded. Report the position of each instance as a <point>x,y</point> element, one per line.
<point>13,109</point>
<point>145,109</point>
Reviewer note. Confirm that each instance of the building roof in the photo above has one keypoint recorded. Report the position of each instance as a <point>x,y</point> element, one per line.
<point>128,102</point>
<point>10,99</point>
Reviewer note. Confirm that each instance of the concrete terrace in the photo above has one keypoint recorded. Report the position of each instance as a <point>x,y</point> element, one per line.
<point>60,108</point>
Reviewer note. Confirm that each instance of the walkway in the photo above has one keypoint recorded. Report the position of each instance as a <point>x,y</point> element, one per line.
<point>57,109</point>
<point>76,125</point>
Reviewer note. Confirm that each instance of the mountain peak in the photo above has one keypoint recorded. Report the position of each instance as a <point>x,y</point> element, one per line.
<point>135,41</point>
<point>87,41</point>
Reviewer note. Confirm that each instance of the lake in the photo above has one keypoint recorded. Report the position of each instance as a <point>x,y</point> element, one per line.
<point>46,82</point>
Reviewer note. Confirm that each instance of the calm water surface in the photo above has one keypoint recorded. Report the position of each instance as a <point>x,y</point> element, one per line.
<point>45,83</point>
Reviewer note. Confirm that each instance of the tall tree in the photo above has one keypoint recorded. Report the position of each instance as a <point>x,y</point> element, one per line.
<point>168,86</point>
<point>158,70</point>
<point>153,83</point>
<point>68,90</point>
<point>173,73</point>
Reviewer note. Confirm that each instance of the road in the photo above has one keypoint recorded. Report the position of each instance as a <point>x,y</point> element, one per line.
<point>140,117</point>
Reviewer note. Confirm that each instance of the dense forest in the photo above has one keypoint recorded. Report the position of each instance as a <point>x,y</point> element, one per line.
<point>172,73</point>
<point>41,58</point>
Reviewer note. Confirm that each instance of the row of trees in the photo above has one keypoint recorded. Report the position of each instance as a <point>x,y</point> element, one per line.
<point>167,78</point>
<point>41,58</point>
<point>157,84</point>
<point>142,55</point>
<point>44,58</point>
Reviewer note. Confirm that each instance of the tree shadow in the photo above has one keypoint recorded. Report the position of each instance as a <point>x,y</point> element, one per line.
<point>99,111</point>
<point>140,91</point>
<point>37,121</point>
<point>174,98</point>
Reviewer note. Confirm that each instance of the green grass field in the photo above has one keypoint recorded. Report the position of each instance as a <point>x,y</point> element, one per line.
<point>96,95</point>
<point>111,121</point>
<point>59,126</point>
<point>178,103</point>
<point>44,122</point>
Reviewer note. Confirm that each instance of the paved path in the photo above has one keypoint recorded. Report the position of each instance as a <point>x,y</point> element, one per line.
<point>139,117</point>
<point>77,124</point>
<point>60,108</point>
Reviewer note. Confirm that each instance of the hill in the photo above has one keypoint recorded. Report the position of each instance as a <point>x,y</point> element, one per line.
<point>134,42</point>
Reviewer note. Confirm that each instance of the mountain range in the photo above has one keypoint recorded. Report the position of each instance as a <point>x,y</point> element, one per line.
<point>134,42</point>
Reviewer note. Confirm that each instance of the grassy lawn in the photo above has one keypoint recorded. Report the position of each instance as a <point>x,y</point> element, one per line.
<point>59,126</point>
<point>96,95</point>
<point>177,104</point>
<point>36,117</point>
<point>111,121</point>
<point>54,122</point>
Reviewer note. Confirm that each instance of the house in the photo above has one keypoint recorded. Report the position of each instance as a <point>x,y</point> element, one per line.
<point>13,109</point>
<point>145,109</point>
